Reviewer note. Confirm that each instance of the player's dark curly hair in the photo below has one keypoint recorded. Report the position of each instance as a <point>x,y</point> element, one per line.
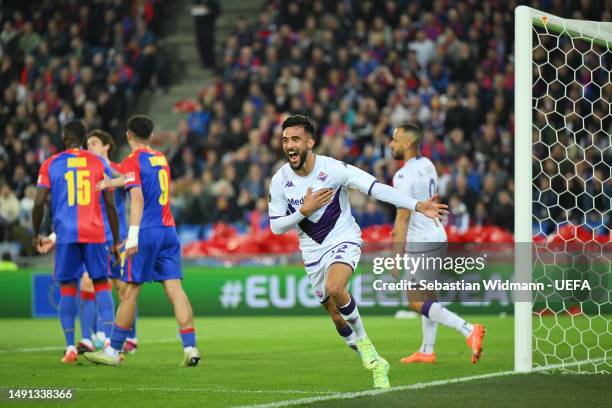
<point>104,137</point>
<point>308,124</point>
<point>140,126</point>
<point>74,132</point>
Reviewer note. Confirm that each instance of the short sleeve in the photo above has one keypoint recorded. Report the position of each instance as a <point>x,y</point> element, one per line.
<point>43,175</point>
<point>402,184</point>
<point>130,168</point>
<point>277,204</point>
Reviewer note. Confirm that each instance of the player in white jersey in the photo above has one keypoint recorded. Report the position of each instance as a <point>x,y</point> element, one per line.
<point>415,233</point>
<point>310,193</point>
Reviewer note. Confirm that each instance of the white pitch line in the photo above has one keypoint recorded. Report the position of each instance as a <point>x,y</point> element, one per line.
<point>417,386</point>
<point>219,390</point>
<point>61,348</point>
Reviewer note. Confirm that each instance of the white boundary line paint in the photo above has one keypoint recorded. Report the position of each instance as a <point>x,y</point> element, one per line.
<point>417,386</point>
<point>212,390</point>
<point>61,348</point>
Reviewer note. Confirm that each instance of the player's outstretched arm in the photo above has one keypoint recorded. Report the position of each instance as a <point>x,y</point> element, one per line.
<point>107,183</point>
<point>38,212</point>
<point>136,208</point>
<point>367,184</point>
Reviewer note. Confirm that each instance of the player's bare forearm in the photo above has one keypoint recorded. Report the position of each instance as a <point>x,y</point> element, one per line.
<point>402,219</point>
<point>111,213</point>
<point>38,211</point>
<point>108,183</point>
<point>136,206</point>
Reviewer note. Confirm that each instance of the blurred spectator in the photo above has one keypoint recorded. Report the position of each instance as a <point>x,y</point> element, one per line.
<point>205,13</point>
<point>458,216</point>
<point>25,208</point>
<point>503,211</point>
<point>481,218</point>
<point>9,211</point>
<point>372,215</point>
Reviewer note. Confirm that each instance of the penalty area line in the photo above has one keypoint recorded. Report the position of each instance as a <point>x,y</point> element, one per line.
<point>417,386</point>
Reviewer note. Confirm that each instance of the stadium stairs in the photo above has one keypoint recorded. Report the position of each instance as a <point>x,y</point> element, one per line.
<point>180,45</point>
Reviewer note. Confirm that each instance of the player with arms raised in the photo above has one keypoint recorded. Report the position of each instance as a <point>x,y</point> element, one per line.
<point>78,222</point>
<point>418,178</point>
<point>152,247</point>
<point>311,193</point>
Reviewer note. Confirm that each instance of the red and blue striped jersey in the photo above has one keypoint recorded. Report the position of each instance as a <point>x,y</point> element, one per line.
<point>71,176</point>
<point>148,169</point>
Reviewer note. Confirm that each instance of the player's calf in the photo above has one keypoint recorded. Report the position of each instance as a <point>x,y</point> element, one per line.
<point>183,313</point>
<point>67,312</point>
<point>344,330</point>
<point>105,303</point>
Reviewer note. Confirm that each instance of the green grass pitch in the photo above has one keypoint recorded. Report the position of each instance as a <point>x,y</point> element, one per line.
<point>257,360</point>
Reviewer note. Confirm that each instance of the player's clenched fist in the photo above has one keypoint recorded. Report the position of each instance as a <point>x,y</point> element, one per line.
<point>312,202</point>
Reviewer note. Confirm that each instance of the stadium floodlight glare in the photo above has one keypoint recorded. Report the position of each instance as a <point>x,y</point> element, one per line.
<point>563,117</point>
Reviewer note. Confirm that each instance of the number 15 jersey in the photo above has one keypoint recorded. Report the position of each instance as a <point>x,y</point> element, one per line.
<point>71,177</point>
<point>148,169</point>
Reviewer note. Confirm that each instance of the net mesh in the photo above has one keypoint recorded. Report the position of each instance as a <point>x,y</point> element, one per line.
<point>572,191</point>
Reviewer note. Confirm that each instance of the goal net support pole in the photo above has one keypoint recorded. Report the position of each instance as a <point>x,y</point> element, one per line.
<point>522,175</point>
<point>563,127</point>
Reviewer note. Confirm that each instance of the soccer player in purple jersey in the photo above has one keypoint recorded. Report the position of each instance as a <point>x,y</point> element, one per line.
<point>310,193</point>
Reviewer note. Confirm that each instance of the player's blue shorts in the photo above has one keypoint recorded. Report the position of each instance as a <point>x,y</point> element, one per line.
<point>158,257</point>
<point>74,258</point>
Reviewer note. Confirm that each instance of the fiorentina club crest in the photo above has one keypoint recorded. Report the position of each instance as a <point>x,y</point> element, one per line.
<point>322,176</point>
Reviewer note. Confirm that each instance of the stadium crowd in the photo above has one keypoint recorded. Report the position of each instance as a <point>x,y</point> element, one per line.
<point>359,68</point>
<point>64,60</point>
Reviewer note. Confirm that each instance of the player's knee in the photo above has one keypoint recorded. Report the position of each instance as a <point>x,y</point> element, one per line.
<point>130,292</point>
<point>416,306</point>
<point>335,290</point>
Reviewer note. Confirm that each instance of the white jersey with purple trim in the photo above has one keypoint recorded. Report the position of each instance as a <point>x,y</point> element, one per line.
<point>330,225</point>
<point>418,178</point>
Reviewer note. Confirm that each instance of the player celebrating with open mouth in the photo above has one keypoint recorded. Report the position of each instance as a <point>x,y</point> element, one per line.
<point>311,193</point>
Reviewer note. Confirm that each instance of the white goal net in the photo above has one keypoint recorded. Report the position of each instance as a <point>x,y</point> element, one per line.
<point>563,201</point>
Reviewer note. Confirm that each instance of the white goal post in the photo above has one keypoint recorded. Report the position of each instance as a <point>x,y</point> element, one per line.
<point>563,124</point>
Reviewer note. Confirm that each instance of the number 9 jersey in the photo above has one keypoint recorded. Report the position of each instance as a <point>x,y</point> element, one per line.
<point>148,169</point>
<point>71,177</point>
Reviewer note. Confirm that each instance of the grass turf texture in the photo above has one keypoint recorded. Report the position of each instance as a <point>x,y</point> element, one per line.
<point>250,360</point>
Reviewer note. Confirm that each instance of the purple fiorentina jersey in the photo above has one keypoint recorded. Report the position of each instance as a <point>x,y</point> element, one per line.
<point>331,224</point>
